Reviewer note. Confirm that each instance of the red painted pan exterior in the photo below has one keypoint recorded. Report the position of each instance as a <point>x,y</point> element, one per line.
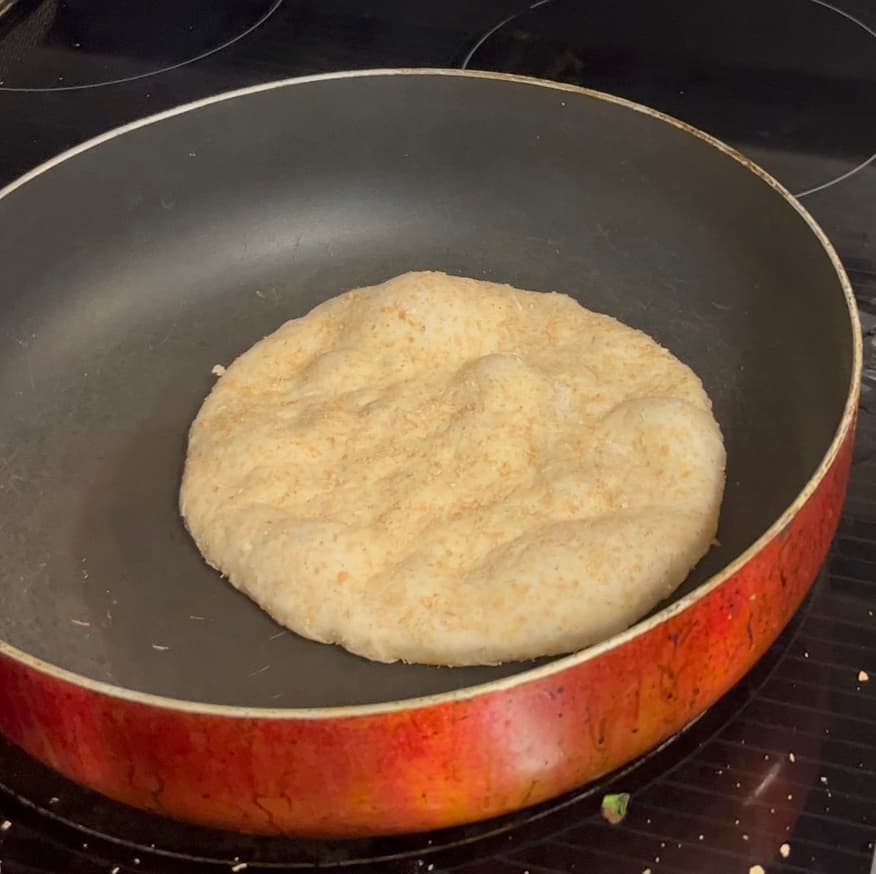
<point>441,761</point>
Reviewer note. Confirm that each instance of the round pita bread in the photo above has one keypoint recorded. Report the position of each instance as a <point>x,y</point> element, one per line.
<point>454,472</point>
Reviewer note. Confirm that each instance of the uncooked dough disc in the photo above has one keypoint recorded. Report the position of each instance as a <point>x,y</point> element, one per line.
<point>454,472</point>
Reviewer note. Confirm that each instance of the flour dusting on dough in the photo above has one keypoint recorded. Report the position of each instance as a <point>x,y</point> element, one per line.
<point>451,471</point>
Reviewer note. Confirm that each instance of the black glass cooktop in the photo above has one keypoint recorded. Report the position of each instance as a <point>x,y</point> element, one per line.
<point>64,44</point>
<point>781,774</point>
<point>785,81</point>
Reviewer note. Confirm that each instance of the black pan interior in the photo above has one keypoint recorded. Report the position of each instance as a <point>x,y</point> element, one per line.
<point>131,269</point>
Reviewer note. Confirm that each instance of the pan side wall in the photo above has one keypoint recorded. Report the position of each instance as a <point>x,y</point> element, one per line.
<point>443,764</point>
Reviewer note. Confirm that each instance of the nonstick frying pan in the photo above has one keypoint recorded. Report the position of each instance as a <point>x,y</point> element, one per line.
<point>133,264</point>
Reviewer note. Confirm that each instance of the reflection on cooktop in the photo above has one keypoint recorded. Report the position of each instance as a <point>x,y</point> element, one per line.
<point>789,82</point>
<point>47,45</point>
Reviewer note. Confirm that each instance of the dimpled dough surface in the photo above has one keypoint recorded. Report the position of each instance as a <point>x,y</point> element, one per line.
<point>454,472</point>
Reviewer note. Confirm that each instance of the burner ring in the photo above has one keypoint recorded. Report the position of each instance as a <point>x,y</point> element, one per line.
<point>54,46</point>
<point>757,89</point>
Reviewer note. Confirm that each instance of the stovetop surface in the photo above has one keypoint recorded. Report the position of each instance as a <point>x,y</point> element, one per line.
<point>782,772</point>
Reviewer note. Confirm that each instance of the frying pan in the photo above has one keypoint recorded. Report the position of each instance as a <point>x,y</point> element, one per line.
<point>136,262</point>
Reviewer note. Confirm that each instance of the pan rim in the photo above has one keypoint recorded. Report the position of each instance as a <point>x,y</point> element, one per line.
<point>556,665</point>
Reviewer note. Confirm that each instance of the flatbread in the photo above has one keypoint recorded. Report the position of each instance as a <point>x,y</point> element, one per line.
<point>454,472</point>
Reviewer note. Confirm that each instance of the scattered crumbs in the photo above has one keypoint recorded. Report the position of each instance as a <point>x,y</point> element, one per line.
<point>823,780</point>
<point>863,677</point>
<point>278,634</point>
<point>193,154</point>
<point>785,851</point>
<point>260,670</point>
<point>735,822</point>
<point>430,866</point>
<point>614,807</point>
<point>791,757</point>
<point>136,860</point>
<point>84,845</point>
<point>5,825</point>
<point>240,866</point>
<point>700,837</point>
<point>738,785</point>
<point>159,647</point>
<point>217,370</point>
<point>744,837</point>
<point>646,871</point>
<point>772,810</point>
<point>198,618</point>
<point>81,622</point>
<point>790,796</point>
<point>719,771</point>
<point>805,654</point>
<point>54,799</point>
<point>657,860</point>
<point>766,757</point>
<point>115,869</point>
<point>756,869</point>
